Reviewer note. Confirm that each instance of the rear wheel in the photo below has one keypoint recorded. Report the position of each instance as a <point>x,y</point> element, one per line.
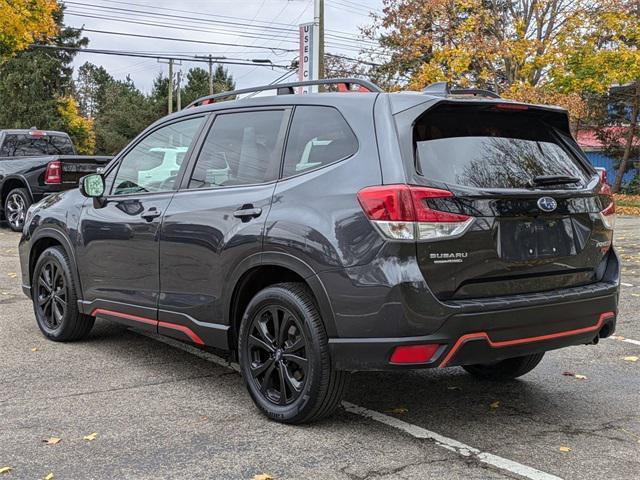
<point>505,369</point>
<point>55,299</point>
<point>284,356</point>
<point>15,208</point>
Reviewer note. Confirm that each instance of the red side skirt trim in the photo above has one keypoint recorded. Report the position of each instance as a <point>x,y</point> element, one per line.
<point>186,330</point>
<point>509,343</point>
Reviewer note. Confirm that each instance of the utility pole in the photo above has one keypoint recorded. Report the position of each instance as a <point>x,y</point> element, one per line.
<point>170,85</point>
<point>178,91</point>
<point>171,62</point>
<point>211,60</point>
<point>318,19</point>
<point>210,75</point>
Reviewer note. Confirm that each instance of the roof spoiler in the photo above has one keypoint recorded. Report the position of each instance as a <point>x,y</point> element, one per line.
<point>442,89</point>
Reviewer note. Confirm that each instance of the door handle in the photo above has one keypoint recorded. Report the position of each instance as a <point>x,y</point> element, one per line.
<point>247,212</point>
<point>150,214</point>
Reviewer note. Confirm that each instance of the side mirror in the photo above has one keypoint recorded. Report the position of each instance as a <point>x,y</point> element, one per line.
<point>92,186</point>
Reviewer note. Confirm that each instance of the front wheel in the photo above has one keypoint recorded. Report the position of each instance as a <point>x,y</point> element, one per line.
<point>284,356</point>
<point>55,299</point>
<point>15,208</point>
<point>505,369</point>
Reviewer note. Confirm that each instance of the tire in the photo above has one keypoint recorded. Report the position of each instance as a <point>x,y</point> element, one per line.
<point>309,394</point>
<point>16,205</point>
<point>54,297</point>
<point>506,369</point>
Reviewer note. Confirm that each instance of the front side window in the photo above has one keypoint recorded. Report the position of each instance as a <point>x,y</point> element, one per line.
<point>240,149</point>
<point>154,163</point>
<point>319,136</point>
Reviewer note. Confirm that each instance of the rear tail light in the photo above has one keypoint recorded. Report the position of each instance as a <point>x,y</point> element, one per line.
<point>414,353</point>
<point>53,173</point>
<point>402,212</point>
<point>608,214</point>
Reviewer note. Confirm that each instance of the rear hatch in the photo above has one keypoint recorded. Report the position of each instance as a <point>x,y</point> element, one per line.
<point>532,214</point>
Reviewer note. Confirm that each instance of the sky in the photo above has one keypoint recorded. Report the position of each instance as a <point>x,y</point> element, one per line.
<point>255,24</point>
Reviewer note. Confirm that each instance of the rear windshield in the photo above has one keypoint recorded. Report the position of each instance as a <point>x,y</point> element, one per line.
<point>486,148</point>
<point>16,145</point>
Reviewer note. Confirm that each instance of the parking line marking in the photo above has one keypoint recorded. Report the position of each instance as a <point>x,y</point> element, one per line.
<point>413,430</point>
<point>622,339</point>
<point>451,444</point>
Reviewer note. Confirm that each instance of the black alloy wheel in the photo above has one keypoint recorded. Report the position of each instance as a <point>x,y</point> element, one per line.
<point>284,356</point>
<point>277,350</point>
<point>52,294</point>
<point>55,300</point>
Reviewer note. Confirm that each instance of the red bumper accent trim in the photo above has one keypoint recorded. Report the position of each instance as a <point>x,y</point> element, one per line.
<point>186,330</point>
<point>113,313</point>
<point>509,343</point>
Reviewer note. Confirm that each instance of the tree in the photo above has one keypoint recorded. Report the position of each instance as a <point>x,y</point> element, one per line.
<point>91,87</point>
<point>79,128</point>
<point>38,81</point>
<point>197,85</point>
<point>23,22</point>
<point>125,113</point>
<point>608,52</point>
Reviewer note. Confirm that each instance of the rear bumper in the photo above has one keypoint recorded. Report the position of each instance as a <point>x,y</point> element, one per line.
<point>491,335</point>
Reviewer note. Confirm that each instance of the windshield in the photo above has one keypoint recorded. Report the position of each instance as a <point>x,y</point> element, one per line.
<point>491,149</point>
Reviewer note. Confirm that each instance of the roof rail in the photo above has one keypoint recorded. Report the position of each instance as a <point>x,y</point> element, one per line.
<point>344,84</point>
<point>441,89</point>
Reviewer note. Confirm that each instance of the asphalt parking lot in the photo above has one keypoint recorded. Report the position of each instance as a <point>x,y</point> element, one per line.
<point>163,412</point>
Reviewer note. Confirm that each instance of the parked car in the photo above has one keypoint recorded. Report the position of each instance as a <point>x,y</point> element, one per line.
<point>35,163</point>
<point>312,235</point>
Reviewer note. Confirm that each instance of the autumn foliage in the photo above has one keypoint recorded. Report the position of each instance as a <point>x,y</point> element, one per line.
<point>23,22</point>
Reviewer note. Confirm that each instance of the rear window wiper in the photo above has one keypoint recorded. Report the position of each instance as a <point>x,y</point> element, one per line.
<point>551,180</point>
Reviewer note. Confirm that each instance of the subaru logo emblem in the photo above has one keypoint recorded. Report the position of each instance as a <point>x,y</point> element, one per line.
<point>547,204</point>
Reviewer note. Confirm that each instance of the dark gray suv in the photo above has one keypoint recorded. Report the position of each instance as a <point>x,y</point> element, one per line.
<point>312,235</point>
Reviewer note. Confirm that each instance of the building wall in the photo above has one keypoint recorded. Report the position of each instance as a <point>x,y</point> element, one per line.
<point>599,159</point>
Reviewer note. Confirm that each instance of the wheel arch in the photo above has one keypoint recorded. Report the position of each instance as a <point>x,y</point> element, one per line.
<point>269,268</point>
<point>48,237</point>
<point>11,182</point>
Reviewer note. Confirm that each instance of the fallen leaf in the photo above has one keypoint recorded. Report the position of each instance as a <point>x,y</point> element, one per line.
<point>34,349</point>
<point>574,375</point>
<point>49,476</point>
<point>631,358</point>
<point>580,377</point>
<point>90,437</point>
<point>397,411</point>
<point>52,440</point>
<point>12,274</point>
<point>495,404</point>
<point>568,374</point>
<point>5,469</point>
<point>565,449</point>
<point>263,476</point>
<point>454,388</point>
<point>635,294</point>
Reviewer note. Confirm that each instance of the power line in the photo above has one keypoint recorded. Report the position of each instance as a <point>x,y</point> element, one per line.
<point>216,16</point>
<point>159,56</point>
<point>89,10</point>
<point>147,22</point>
<point>174,39</point>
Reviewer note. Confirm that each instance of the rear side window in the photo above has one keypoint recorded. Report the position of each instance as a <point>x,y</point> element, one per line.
<point>16,145</point>
<point>241,149</point>
<point>486,148</point>
<point>319,136</point>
